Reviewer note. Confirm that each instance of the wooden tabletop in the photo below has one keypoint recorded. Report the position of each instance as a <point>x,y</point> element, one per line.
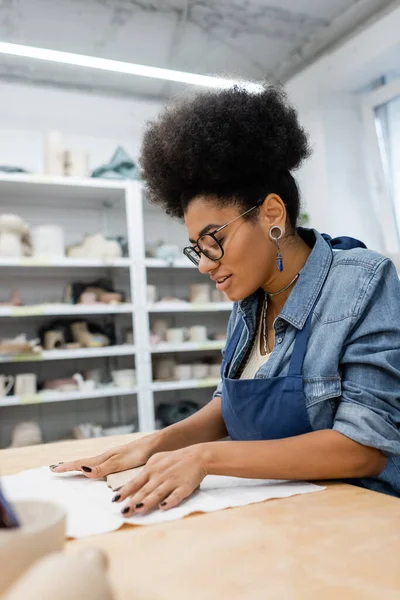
<point>340,544</point>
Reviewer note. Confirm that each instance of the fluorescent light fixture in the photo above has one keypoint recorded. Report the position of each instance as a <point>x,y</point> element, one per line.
<point>116,66</point>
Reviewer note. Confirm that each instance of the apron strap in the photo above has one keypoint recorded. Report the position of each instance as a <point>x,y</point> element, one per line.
<point>343,242</point>
<point>233,342</point>
<point>300,347</point>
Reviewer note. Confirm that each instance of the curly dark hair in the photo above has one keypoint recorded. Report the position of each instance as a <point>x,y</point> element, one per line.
<point>234,145</point>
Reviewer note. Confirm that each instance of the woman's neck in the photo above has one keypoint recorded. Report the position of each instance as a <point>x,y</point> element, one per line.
<point>295,254</point>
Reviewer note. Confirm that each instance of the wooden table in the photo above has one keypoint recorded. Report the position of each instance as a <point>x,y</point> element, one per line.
<point>343,543</point>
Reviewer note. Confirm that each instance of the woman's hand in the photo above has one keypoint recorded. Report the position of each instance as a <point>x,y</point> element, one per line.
<point>128,456</point>
<point>166,480</point>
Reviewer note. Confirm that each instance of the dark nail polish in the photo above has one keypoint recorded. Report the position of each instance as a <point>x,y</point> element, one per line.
<point>86,469</point>
<point>116,498</point>
<point>139,505</point>
<point>163,504</point>
<point>126,510</point>
<point>53,466</point>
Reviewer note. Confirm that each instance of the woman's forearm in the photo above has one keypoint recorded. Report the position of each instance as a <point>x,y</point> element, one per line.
<point>207,425</point>
<point>325,454</point>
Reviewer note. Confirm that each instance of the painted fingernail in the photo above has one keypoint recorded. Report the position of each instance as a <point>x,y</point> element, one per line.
<point>139,505</point>
<point>116,498</point>
<point>125,511</point>
<point>163,504</point>
<point>53,466</point>
<point>86,469</point>
<point>117,489</point>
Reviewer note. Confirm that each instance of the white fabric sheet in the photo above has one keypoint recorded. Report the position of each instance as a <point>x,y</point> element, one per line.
<point>88,502</point>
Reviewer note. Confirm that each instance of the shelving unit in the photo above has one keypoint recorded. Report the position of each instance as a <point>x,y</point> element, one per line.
<point>114,207</point>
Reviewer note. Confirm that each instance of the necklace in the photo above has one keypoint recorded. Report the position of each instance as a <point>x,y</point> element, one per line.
<point>264,326</point>
<point>271,294</point>
<point>264,313</point>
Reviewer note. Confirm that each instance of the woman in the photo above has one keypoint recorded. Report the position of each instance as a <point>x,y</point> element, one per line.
<point>310,379</point>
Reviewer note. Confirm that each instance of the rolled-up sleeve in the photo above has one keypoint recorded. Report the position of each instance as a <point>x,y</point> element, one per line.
<point>231,322</point>
<point>369,409</point>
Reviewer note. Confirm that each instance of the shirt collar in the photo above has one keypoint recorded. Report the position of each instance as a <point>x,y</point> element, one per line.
<point>308,286</point>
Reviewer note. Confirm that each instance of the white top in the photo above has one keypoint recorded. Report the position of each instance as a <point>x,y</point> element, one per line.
<point>256,359</point>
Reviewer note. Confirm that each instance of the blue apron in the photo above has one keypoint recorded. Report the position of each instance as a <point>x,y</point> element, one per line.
<point>272,408</point>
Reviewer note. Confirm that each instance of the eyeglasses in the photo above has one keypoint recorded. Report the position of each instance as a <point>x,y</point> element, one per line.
<point>209,245</point>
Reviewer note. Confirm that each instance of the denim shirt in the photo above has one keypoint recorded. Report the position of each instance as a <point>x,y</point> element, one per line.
<point>351,369</point>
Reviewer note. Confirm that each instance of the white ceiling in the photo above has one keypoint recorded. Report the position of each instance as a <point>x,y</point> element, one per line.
<point>247,38</point>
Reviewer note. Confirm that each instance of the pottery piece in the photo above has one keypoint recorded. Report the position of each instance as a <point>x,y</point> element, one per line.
<point>6,383</point>
<point>53,340</point>
<point>200,370</point>
<point>183,372</point>
<point>198,333</point>
<point>96,246</point>
<point>41,531</point>
<point>84,385</point>
<point>25,384</point>
<point>200,293</point>
<point>48,241</point>
<point>54,153</point>
<point>26,433</point>
<point>76,163</point>
<point>81,576</point>
<point>177,335</point>
<point>124,378</point>
<point>12,232</point>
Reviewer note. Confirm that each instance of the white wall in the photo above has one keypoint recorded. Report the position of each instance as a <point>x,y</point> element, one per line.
<point>94,123</point>
<point>334,181</point>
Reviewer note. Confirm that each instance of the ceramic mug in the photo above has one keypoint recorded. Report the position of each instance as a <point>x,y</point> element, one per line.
<point>164,369</point>
<point>25,384</point>
<point>124,378</point>
<point>198,333</point>
<point>176,335</point>
<point>48,240</point>
<point>6,383</point>
<point>41,531</point>
<point>183,372</point>
<point>159,327</point>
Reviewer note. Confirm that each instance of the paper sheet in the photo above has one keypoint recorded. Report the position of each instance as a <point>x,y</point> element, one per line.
<point>87,502</point>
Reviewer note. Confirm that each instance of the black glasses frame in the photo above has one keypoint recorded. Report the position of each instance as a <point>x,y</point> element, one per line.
<point>193,253</point>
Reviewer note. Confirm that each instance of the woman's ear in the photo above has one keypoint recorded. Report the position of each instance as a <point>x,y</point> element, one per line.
<point>273,211</point>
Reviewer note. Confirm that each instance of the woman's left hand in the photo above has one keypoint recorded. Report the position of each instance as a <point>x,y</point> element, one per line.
<point>166,480</point>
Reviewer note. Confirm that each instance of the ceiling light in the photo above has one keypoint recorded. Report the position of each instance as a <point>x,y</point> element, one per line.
<point>116,66</point>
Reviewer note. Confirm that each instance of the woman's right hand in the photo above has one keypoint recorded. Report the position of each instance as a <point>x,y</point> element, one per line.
<point>121,458</point>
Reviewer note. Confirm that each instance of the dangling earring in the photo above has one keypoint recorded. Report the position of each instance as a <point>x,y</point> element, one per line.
<point>276,238</point>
